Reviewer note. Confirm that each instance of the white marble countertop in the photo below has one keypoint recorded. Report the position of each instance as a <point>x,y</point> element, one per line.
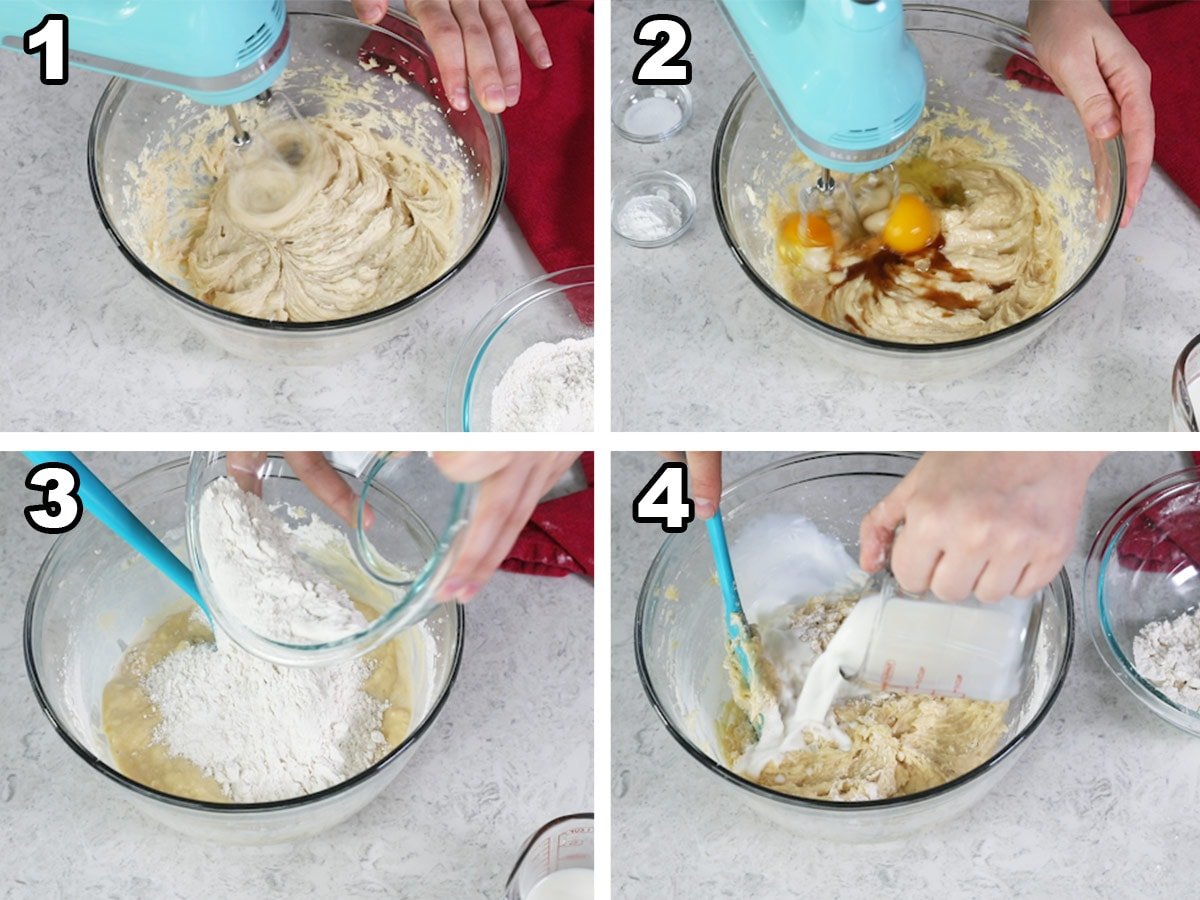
<point>1102,803</point>
<point>511,750</point>
<point>685,315</point>
<point>89,345</point>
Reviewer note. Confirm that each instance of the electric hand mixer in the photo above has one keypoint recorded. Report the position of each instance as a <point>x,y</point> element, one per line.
<point>844,76</point>
<point>215,53</point>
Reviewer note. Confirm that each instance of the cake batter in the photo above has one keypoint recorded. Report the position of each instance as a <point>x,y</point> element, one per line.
<point>958,246</point>
<point>283,732</point>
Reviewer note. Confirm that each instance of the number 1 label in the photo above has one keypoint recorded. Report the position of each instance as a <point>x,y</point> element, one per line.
<point>49,39</point>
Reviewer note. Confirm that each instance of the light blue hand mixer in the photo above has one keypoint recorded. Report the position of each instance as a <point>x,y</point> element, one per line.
<point>219,53</point>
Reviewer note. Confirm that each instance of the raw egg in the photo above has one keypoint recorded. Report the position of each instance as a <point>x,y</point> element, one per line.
<point>798,231</point>
<point>911,226</point>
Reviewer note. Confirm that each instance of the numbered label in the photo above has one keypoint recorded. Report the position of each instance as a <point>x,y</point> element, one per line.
<point>664,500</point>
<point>61,508</point>
<point>670,37</point>
<point>49,40</point>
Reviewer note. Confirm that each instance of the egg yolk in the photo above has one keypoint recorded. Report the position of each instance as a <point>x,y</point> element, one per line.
<point>911,226</point>
<point>798,231</point>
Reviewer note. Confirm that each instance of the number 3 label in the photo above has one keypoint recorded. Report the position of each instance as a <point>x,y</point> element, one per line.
<point>60,509</point>
<point>670,37</point>
<point>664,500</point>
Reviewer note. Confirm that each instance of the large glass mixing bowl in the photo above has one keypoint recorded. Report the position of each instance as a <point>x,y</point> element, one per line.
<point>1142,568</point>
<point>680,643</point>
<point>965,53</point>
<point>328,53</point>
<point>93,597</point>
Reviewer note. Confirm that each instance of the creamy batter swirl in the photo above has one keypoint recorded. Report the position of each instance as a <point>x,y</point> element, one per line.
<point>323,223</point>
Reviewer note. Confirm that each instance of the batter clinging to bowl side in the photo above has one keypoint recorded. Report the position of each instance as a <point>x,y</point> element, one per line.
<point>958,245</point>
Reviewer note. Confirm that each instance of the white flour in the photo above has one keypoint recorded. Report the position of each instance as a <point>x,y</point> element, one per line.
<point>549,387</point>
<point>255,567</point>
<point>266,732</point>
<point>1167,653</point>
<point>651,217</point>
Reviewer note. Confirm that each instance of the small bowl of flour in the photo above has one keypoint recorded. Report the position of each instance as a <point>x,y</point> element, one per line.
<point>528,365</point>
<point>1143,588</point>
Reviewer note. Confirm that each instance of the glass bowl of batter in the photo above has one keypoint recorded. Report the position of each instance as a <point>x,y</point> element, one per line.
<point>386,556</point>
<point>681,647</point>
<point>381,239</point>
<point>889,328</point>
<point>522,367</point>
<point>94,598</point>
<point>1143,589</point>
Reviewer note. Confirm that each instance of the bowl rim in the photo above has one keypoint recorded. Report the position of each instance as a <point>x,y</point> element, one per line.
<point>930,349</point>
<point>500,165</point>
<point>842,807</point>
<point>1179,384</point>
<point>204,805</point>
<point>1099,557</point>
<point>475,345</point>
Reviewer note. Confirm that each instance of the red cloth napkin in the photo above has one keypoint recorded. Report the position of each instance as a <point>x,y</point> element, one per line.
<point>1154,544</point>
<point>1164,33</point>
<point>549,132</point>
<point>550,145</point>
<point>560,536</point>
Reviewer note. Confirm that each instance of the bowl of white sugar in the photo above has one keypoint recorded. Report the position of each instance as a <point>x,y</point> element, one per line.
<point>1143,609</point>
<point>528,364</point>
<point>195,731</point>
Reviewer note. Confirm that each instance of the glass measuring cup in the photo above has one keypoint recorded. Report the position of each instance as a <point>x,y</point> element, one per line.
<point>920,644</point>
<point>390,559</point>
<point>1187,372</point>
<point>556,862</point>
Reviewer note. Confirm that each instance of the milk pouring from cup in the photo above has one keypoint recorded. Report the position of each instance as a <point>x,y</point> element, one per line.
<point>918,644</point>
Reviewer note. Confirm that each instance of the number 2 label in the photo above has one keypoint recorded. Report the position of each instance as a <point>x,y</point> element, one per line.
<point>670,37</point>
<point>664,500</point>
<point>49,39</point>
<point>60,509</point>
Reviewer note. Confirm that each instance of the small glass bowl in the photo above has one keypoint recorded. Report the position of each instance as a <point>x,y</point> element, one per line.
<point>1137,573</point>
<point>1187,371</point>
<point>403,562</point>
<point>540,310</point>
<point>663,185</point>
<point>642,113</point>
<point>93,597</point>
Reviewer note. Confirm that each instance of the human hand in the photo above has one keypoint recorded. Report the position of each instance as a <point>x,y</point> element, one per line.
<point>988,524</point>
<point>704,479</point>
<point>312,468</point>
<point>477,37</point>
<point>511,484</point>
<point>1094,65</point>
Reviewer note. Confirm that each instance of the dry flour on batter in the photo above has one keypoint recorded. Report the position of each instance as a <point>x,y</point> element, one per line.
<point>1167,653</point>
<point>265,732</point>
<point>549,387</point>
<point>256,569</point>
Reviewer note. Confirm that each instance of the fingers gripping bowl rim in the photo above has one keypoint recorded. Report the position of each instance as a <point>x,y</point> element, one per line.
<point>335,40</point>
<point>970,40</point>
<point>679,646</point>
<point>73,638</point>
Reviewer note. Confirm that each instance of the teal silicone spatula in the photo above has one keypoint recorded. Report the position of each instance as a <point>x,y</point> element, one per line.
<point>736,627</point>
<point>104,505</point>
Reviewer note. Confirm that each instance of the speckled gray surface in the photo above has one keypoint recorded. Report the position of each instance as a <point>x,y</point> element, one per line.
<point>686,315</point>
<point>135,364</point>
<point>511,750</point>
<point>1102,803</point>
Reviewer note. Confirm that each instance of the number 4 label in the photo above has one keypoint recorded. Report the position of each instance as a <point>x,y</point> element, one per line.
<point>664,500</point>
<point>670,37</point>
<point>49,39</point>
<point>61,508</point>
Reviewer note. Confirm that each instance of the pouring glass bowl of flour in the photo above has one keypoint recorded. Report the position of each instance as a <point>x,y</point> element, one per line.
<point>288,580</point>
